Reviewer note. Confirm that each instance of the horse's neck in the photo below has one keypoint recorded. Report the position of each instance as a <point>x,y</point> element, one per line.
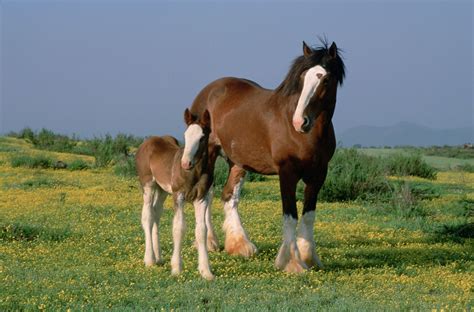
<point>285,103</point>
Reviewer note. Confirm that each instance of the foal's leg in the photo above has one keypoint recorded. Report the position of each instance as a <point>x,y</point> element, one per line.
<point>178,233</point>
<point>158,200</point>
<point>200,207</point>
<point>148,218</point>
<point>305,241</point>
<point>288,257</point>
<point>236,240</point>
<point>212,244</point>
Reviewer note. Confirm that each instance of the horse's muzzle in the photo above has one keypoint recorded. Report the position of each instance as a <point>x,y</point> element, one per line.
<point>186,165</point>
<point>302,125</point>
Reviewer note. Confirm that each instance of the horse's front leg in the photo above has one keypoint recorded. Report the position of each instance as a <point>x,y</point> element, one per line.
<point>236,240</point>
<point>288,257</point>
<point>200,207</point>
<point>178,233</point>
<point>305,240</point>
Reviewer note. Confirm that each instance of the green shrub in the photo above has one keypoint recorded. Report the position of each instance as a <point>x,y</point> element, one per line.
<point>221,172</point>
<point>465,167</point>
<point>78,164</point>
<point>413,165</point>
<point>254,177</point>
<point>32,161</point>
<point>126,167</point>
<point>352,175</point>
<point>102,150</point>
<point>450,151</point>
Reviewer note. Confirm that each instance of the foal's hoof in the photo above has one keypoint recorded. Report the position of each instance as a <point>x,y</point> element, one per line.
<point>295,266</point>
<point>152,262</point>
<point>208,276</point>
<point>240,246</point>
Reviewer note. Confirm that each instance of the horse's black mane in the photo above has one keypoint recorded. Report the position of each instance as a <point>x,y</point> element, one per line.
<point>320,56</point>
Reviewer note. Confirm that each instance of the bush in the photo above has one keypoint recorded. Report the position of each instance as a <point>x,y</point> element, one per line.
<point>465,167</point>
<point>413,165</point>
<point>78,164</point>
<point>32,161</point>
<point>352,175</point>
<point>220,174</point>
<point>126,167</point>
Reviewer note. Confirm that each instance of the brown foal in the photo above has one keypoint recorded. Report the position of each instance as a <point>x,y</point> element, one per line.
<point>186,173</point>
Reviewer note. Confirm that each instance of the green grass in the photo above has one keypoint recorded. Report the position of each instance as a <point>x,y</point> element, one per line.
<point>439,162</point>
<point>73,240</point>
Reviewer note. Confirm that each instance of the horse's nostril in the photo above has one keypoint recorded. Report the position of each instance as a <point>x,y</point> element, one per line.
<point>305,122</point>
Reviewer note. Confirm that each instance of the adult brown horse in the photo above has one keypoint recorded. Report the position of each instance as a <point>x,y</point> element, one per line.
<point>287,131</point>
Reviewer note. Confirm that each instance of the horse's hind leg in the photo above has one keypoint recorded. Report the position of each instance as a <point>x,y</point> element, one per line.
<point>148,218</point>
<point>158,201</point>
<point>178,232</point>
<point>236,240</point>
<point>212,243</point>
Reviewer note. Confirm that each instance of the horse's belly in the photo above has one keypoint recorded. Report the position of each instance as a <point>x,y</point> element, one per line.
<point>253,156</point>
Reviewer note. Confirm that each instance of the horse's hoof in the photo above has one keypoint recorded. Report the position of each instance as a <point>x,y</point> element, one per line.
<point>295,266</point>
<point>240,246</point>
<point>311,259</point>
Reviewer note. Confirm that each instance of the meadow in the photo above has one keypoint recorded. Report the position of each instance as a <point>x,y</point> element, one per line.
<point>71,238</point>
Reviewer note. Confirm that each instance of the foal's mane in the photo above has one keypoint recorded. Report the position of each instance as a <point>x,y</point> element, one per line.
<point>320,56</point>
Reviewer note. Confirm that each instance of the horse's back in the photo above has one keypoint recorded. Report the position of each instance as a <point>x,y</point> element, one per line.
<point>154,159</point>
<point>226,91</point>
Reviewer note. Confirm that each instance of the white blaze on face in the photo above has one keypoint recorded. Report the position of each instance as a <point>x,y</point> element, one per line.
<point>192,136</point>
<point>312,79</point>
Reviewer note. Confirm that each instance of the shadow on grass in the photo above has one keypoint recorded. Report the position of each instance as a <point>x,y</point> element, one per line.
<point>395,257</point>
<point>28,233</point>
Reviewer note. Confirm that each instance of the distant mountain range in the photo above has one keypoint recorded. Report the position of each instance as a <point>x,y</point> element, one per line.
<point>405,133</point>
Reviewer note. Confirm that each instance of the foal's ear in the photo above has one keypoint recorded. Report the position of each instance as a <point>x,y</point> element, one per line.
<point>333,50</point>
<point>307,51</point>
<point>206,120</point>
<point>188,117</point>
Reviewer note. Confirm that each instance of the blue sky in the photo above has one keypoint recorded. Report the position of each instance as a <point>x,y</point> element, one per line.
<point>96,67</point>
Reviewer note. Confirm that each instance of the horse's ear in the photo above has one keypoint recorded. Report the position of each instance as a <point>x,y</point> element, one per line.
<point>188,117</point>
<point>333,50</point>
<point>307,51</point>
<point>206,120</point>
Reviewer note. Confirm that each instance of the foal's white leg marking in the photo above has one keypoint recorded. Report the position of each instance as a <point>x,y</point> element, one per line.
<point>192,135</point>
<point>305,241</point>
<point>148,219</point>
<point>200,207</point>
<point>179,227</point>
<point>288,257</point>
<point>236,240</point>
<point>212,244</point>
<point>311,82</point>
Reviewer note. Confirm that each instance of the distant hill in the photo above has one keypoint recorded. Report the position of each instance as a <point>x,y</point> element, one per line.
<point>405,133</point>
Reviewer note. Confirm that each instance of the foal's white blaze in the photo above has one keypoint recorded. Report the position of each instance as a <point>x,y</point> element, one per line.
<point>192,135</point>
<point>312,79</point>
